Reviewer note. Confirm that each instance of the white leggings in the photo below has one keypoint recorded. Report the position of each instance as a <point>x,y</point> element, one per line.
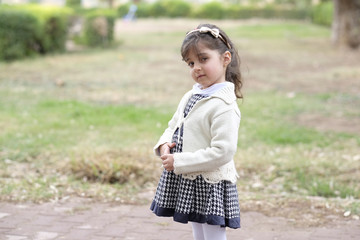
<point>208,232</point>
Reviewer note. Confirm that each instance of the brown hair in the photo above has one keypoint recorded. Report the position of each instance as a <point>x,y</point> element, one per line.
<point>233,73</point>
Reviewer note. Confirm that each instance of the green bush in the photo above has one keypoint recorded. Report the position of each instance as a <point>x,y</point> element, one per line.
<point>216,10</point>
<point>54,26</point>
<point>157,9</point>
<point>323,13</point>
<point>99,28</point>
<point>177,8</point>
<point>73,3</point>
<point>122,10</point>
<point>212,10</point>
<point>163,8</point>
<point>143,10</point>
<point>273,11</point>
<point>32,28</point>
<point>239,12</point>
<point>19,32</point>
<point>303,13</point>
<point>268,12</point>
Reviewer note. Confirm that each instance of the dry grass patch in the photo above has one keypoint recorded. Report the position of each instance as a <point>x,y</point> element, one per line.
<point>100,174</point>
<point>111,167</point>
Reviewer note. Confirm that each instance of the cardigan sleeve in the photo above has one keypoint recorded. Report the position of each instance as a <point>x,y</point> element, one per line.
<point>169,131</point>
<point>167,135</point>
<point>223,145</point>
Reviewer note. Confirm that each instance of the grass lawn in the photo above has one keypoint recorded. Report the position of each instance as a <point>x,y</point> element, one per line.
<point>84,123</point>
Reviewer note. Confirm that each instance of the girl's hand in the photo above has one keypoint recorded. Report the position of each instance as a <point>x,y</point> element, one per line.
<point>168,161</point>
<point>165,148</point>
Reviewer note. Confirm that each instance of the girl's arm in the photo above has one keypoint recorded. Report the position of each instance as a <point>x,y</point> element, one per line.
<point>223,145</point>
<point>169,131</point>
<point>166,137</point>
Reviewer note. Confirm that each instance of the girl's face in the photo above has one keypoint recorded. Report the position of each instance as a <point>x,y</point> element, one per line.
<point>207,66</point>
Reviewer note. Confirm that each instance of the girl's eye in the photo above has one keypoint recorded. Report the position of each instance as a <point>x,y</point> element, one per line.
<point>190,64</point>
<point>203,59</point>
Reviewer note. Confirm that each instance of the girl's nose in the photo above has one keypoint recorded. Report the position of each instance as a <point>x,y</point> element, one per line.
<point>197,67</point>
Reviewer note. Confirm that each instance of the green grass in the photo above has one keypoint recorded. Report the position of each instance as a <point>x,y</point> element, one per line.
<point>59,125</point>
<point>268,119</point>
<point>282,30</point>
<point>320,184</point>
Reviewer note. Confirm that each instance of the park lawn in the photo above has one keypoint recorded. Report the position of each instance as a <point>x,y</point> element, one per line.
<point>84,123</point>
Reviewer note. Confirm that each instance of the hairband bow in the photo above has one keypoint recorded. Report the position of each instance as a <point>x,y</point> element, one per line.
<point>214,31</point>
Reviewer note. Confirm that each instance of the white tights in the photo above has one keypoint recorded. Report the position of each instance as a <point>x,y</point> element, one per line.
<point>208,232</point>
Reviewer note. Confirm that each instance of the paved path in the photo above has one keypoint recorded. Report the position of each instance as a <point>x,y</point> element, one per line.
<point>81,219</point>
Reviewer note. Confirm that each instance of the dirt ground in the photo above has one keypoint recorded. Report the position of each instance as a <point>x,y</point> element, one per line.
<point>83,219</point>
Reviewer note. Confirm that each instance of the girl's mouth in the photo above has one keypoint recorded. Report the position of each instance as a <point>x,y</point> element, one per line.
<point>200,76</point>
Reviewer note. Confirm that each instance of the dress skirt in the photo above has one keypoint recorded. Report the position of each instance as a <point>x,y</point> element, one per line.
<point>195,200</point>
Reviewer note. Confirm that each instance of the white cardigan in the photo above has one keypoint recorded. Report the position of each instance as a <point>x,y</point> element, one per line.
<point>210,136</point>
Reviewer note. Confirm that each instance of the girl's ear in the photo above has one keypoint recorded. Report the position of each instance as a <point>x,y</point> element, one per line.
<point>227,58</point>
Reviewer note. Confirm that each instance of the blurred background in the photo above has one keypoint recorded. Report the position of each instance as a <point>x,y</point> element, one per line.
<point>87,88</point>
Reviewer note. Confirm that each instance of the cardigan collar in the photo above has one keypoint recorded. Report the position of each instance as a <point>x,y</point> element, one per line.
<point>224,91</point>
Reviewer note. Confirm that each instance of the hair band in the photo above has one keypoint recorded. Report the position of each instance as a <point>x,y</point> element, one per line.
<point>214,31</point>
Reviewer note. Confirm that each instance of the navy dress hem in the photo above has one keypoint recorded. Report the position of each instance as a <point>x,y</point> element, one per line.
<point>233,223</point>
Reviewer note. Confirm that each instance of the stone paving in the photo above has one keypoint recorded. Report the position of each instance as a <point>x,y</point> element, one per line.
<point>82,219</point>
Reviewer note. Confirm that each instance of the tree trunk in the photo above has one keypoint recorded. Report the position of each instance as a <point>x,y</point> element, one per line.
<point>346,23</point>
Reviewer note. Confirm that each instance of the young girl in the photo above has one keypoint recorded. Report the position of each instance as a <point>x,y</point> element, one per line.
<point>197,148</point>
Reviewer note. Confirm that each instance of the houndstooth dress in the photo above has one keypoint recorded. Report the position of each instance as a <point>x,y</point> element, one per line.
<point>195,200</point>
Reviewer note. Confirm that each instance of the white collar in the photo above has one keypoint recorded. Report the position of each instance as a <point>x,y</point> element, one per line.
<point>210,90</point>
